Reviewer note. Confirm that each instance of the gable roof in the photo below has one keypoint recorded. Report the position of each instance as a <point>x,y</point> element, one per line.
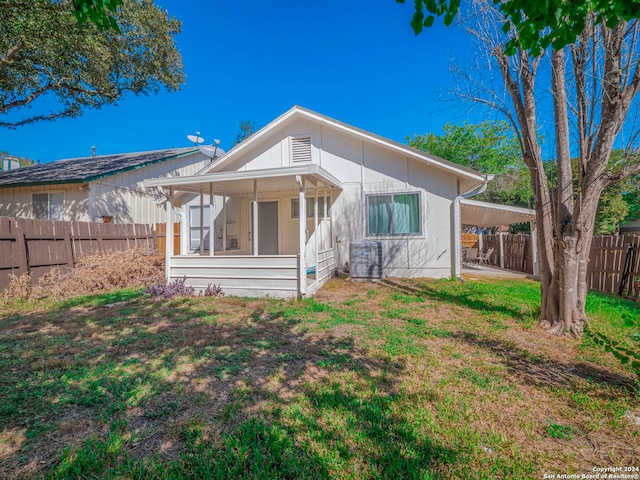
<point>87,169</point>
<point>472,177</point>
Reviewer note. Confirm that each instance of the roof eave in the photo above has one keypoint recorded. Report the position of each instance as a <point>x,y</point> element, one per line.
<point>40,184</point>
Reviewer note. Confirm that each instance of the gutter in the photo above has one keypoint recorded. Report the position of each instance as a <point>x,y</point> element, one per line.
<point>456,224</point>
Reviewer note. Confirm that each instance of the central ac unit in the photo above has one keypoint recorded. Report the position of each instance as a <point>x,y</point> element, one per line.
<point>365,260</point>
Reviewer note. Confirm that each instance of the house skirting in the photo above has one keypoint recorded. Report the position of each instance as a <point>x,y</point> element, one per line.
<point>252,275</point>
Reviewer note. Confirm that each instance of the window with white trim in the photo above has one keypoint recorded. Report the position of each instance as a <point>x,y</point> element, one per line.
<point>194,227</point>
<point>393,214</point>
<point>323,202</point>
<point>48,206</point>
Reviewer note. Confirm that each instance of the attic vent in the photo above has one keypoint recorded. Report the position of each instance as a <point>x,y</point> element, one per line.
<point>301,149</point>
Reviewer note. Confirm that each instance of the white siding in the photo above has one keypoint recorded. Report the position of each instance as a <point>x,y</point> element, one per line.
<point>258,276</point>
<point>17,202</point>
<point>124,197</point>
<point>364,168</point>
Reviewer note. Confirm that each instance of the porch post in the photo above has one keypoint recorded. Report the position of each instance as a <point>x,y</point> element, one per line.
<point>480,241</point>
<point>534,249</point>
<point>302,222</point>
<point>169,238</point>
<point>332,245</point>
<point>212,224</point>
<point>254,227</point>
<point>316,230</point>
<point>224,223</point>
<point>501,248</point>
<point>201,221</point>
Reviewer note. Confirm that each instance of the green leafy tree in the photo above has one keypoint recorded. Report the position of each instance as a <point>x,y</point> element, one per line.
<point>536,25</point>
<point>100,12</point>
<point>612,210</point>
<point>247,128</point>
<point>488,147</point>
<point>45,54</point>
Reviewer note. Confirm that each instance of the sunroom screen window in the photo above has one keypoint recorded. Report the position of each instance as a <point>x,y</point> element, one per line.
<point>194,227</point>
<point>393,214</point>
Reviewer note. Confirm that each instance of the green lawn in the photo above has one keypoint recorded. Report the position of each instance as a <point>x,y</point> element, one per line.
<point>406,379</point>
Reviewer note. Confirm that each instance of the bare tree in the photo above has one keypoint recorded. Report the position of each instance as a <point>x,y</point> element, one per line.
<point>590,87</point>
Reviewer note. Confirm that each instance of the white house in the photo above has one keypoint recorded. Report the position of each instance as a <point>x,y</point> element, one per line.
<point>285,204</point>
<point>93,188</point>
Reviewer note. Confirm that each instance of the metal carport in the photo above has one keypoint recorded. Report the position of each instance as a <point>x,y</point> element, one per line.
<point>485,214</point>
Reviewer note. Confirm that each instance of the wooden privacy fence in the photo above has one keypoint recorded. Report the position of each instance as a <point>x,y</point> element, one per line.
<point>37,246</point>
<point>614,265</point>
<point>614,262</point>
<point>470,240</point>
<point>161,234</point>
<point>517,254</point>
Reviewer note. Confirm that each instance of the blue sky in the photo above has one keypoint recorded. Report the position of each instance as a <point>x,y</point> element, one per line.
<point>357,61</point>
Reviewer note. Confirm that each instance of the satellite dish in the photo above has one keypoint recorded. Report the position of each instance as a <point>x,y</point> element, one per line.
<point>195,139</point>
<point>208,150</point>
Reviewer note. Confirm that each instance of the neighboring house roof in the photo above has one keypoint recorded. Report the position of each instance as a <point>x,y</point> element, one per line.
<point>87,169</point>
<point>473,177</point>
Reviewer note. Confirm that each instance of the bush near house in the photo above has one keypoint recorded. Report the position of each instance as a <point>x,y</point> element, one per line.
<point>402,379</point>
<point>101,272</point>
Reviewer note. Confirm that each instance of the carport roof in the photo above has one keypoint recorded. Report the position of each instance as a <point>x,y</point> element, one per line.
<point>485,214</point>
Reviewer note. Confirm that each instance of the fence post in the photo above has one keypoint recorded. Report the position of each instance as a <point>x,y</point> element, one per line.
<point>69,247</point>
<point>625,269</point>
<point>21,243</point>
<point>99,238</point>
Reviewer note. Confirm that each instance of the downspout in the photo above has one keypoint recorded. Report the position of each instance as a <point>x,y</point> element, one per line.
<point>456,224</point>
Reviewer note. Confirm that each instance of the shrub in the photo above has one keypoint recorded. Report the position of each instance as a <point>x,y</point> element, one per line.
<point>94,274</point>
<point>19,289</point>
<point>178,288</point>
<point>107,271</point>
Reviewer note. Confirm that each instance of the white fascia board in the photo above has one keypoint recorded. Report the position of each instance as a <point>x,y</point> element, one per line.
<point>497,206</point>
<point>312,170</point>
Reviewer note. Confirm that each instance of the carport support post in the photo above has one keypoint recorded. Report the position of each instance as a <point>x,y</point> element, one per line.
<point>212,230</point>
<point>302,222</point>
<point>534,249</point>
<point>169,235</point>
<point>254,227</point>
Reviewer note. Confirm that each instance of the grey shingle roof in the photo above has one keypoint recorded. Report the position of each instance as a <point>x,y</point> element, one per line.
<point>87,169</point>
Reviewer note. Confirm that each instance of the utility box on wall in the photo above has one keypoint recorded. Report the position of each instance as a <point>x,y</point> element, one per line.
<point>365,260</point>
